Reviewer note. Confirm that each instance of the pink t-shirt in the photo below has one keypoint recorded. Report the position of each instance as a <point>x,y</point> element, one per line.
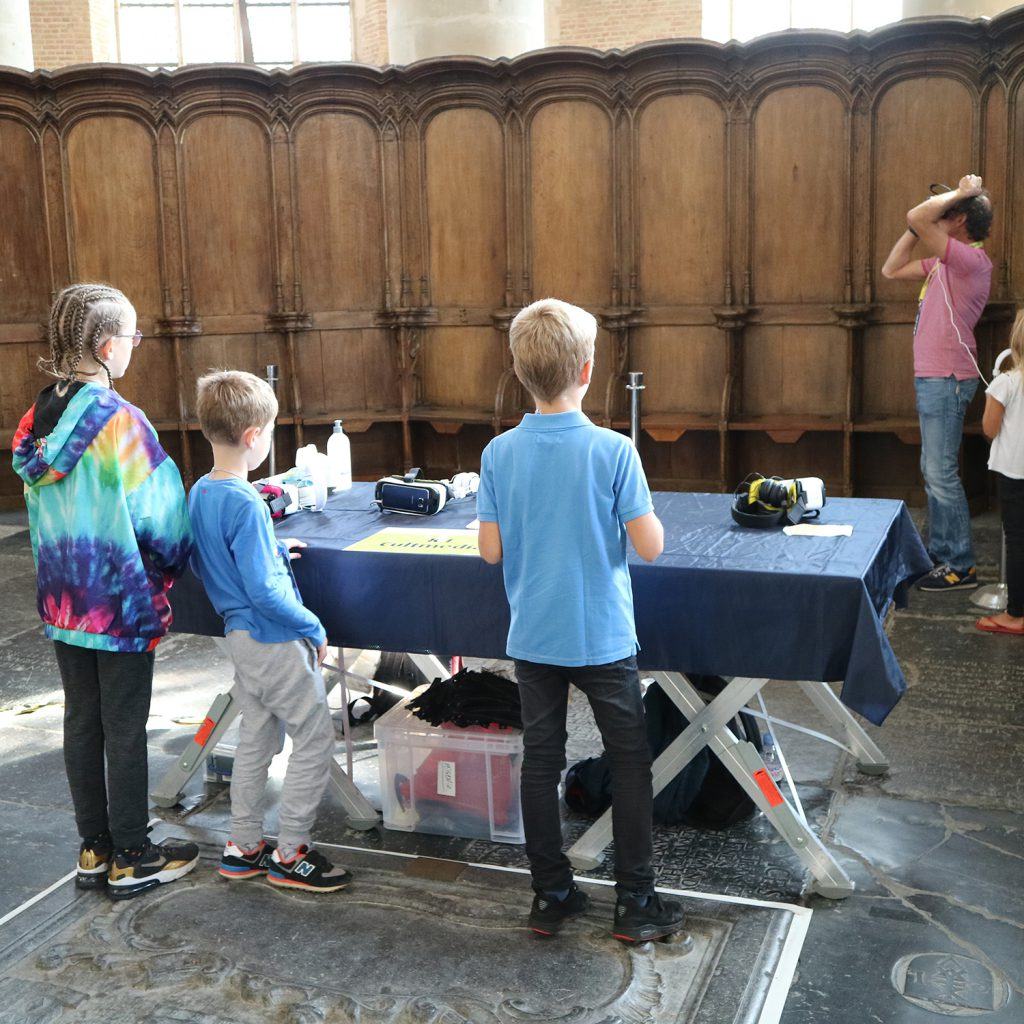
<point>966,272</point>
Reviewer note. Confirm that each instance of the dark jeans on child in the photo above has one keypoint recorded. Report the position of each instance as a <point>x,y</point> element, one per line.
<point>1011,501</point>
<point>106,707</point>
<point>614,694</point>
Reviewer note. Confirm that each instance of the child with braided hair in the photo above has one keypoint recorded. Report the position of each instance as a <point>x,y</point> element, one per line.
<point>110,533</point>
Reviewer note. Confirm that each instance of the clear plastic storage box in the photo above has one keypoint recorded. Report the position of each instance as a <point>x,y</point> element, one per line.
<point>450,781</point>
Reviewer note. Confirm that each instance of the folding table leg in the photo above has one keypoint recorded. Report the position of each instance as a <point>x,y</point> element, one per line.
<point>360,813</point>
<point>870,760</point>
<point>171,788</point>
<point>587,852</point>
<point>745,765</point>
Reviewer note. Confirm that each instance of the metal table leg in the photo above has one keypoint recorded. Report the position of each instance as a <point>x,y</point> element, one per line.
<point>587,852</point>
<point>707,728</point>
<point>870,760</point>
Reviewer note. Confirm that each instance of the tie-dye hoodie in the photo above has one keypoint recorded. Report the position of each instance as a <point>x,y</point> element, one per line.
<point>108,518</point>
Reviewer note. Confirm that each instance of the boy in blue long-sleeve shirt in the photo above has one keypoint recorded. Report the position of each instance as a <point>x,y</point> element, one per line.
<point>276,643</point>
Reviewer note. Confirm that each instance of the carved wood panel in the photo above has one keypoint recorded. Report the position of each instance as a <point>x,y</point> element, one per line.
<point>724,211</point>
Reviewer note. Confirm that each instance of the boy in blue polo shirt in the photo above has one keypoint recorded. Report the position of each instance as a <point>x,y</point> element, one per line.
<point>558,499</point>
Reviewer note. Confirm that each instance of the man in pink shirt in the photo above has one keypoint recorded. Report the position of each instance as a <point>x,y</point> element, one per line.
<point>957,275</point>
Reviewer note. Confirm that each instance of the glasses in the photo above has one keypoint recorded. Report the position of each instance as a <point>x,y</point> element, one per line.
<point>136,338</point>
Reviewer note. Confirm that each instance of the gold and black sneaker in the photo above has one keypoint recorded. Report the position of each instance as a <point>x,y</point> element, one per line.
<point>94,857</point>
<point>136,871</point>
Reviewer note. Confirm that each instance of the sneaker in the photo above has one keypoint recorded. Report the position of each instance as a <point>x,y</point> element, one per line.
<point>309,870</point>
<point>136,871</point>
<point>641,921</point>
<point>94,857</point>
<point>943,578</point>
<point>548,914</point>
<point>236,863</point>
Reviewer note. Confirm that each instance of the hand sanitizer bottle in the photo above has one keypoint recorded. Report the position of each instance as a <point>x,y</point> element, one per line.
<point>339,459</point>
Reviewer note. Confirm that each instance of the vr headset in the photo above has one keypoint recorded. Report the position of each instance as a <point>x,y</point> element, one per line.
<point>409,495</point>
<point>765,502</point>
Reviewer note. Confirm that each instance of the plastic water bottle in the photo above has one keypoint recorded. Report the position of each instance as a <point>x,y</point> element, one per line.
<point>310,477</point>
<point>339,459</point>
<point>770,756</point>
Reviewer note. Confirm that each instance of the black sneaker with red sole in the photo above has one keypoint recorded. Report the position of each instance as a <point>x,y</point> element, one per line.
<point>548,914</point>
<point>644,920</point>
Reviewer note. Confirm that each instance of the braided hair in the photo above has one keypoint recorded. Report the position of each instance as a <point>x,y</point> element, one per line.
<point>82,317</point>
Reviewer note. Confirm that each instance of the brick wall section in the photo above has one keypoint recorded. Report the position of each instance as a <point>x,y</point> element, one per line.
<point>72,32</point>
<point>616,24</point>
<point>370,31</point>
<point>61,32</point>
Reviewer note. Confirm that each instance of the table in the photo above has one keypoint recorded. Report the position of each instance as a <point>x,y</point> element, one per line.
<point>722,600</point>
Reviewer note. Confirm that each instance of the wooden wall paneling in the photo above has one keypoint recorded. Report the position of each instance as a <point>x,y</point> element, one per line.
<point>25,242</point>
<point>688,463</point>
<point>340,230</point>
<point>571,217</point>
<point>1014,235</point>
<point>683,185</point>
<point>467,233</point>
<point>313,199</point>
<point>572,229</point>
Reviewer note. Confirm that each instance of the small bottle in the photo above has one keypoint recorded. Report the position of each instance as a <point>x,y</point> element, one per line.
<point>339,459</point>
<point>770,756</point>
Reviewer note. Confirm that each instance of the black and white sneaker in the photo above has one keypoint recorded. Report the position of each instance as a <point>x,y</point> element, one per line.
<point>134,872</point>
<point>641,919</point>
<point>236,863</point>
<point>548,914</point>
<point>309,870</point>
<point>943,578</point>
<point>94,857</point>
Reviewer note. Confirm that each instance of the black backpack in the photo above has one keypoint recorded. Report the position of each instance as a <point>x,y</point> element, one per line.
<point>702,795</point>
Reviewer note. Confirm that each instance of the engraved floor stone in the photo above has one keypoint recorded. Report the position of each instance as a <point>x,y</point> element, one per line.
<point>397,948</point>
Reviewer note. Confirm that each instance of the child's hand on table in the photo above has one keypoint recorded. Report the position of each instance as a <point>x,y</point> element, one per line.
<point>292,545</point>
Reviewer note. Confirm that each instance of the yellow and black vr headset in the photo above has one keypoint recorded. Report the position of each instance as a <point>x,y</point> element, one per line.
<point>763,502</point>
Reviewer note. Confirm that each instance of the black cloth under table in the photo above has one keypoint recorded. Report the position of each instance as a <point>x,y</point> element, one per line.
<point>721,600</point>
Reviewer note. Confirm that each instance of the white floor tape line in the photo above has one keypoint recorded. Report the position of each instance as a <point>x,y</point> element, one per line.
<point>33,900</point>
<point>785,971</point>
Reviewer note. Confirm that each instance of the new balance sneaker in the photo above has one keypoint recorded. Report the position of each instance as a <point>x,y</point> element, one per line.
<point>943,578</point>
<point>640,919</point>
<point>134,872</point>
<point>548,913</point>
<point>309,870</point>
<point>94,857</point>
<point>236,863</point>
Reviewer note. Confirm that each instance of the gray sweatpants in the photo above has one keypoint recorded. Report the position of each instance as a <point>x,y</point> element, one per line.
<point>279,690</point>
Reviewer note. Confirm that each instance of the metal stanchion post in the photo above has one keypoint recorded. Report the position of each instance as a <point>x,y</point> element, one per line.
<point>634,386</point>
<point>994,597</point>
<point>272,381</point>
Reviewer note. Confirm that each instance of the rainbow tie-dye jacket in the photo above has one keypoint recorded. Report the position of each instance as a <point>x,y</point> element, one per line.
<point>109,522</point>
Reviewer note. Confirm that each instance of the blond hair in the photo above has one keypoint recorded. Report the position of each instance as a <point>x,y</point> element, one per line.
<point>82,318</point>
<point>1017,343</point>
<point>229,402</point>
<point>551,342</point>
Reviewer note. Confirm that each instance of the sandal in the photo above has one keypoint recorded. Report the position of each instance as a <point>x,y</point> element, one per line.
<point>988,625</point>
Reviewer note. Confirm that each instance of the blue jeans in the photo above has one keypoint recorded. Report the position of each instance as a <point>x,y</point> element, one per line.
<point>941,405</point>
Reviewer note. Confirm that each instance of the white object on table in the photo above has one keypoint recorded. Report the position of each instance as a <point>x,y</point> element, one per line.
<point>818,530</point>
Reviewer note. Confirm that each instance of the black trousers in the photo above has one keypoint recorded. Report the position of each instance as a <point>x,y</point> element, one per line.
<point>1011,502</point>
<point>614,694</point>
<point>106,707</point>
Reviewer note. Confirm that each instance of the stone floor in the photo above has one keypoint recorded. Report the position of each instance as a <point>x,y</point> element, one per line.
<point>936,846</point>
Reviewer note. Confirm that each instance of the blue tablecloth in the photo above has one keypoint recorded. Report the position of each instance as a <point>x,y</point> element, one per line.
<point>721,600</point>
